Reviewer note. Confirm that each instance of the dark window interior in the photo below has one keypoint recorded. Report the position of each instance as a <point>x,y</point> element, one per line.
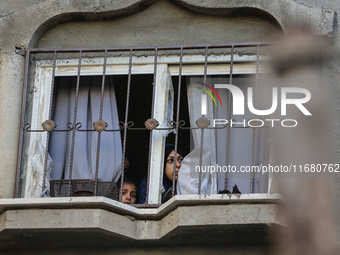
<point>140,102</point>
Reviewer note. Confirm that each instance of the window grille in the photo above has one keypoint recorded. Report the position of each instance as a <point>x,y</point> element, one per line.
<point>223,56</point>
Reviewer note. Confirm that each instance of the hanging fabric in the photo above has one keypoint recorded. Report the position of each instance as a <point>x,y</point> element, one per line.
<point>85,145</point>
<point>188,177</point>
<point>246,146</point>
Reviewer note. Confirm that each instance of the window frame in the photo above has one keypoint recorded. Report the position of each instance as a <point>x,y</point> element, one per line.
<point>191,65</point>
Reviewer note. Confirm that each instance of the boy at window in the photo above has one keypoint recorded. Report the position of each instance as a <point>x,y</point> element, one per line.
<point>130,192</point>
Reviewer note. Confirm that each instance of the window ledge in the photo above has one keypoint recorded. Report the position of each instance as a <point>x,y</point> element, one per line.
<point>93,221</point>
<point>152,212</point>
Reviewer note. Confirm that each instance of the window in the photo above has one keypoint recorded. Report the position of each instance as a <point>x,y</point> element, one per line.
<point>138,84</point>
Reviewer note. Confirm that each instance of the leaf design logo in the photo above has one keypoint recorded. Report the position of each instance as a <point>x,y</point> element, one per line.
<point>209,93</point>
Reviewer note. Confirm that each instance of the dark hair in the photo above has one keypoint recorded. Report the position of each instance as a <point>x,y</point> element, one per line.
<point>128,181</point>
<point>168,149</point>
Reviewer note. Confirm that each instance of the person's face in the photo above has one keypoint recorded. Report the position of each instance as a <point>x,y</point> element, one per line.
<point>169,167</point>
<point>129,194</point>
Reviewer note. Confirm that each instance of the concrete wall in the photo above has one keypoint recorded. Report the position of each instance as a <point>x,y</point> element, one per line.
<point>9,7</point>
<point>163,23</point>
<point>97,222</point>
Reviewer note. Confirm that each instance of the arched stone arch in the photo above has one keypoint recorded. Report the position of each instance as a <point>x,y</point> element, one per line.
<point>287,13</point>
<point>50,13</point>
<point>162,23</point>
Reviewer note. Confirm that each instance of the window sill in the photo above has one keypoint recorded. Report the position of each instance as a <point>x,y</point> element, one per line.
<point>93,221</point>
<point>151,212</point>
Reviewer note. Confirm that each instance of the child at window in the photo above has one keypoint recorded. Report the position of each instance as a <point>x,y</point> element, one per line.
<point>130,192</point>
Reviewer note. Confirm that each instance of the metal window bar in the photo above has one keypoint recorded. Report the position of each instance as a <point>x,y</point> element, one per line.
<point>74,123</point>
<point>202,129</point>
<point>152,114</point>
<point>178,124</point>
<point>177,119</point>
<point>125,125</point>
<point>49,117</point>
<point>229,115</point>
<point>100,119</point>
<point>254,129</point>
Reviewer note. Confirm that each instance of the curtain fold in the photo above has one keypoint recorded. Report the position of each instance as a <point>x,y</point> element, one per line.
<point>241,151</point>
<point>188,177</point>
<point>85,145</point>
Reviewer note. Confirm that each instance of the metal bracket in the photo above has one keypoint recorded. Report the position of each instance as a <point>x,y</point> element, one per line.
<point>20,52</point>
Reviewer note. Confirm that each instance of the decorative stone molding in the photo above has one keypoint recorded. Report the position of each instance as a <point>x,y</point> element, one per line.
<point>288,13</point>
<point>51,13</point>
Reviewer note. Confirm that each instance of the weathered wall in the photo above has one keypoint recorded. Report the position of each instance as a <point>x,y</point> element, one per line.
<point>9,7</point>
<point>10,98</point>
<point>163,23</point>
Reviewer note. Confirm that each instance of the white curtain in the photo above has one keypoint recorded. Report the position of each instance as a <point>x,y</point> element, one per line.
<point>85,146</point>
<point>188,179</point>
<point>214,150</point>
<point>241,149</point>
